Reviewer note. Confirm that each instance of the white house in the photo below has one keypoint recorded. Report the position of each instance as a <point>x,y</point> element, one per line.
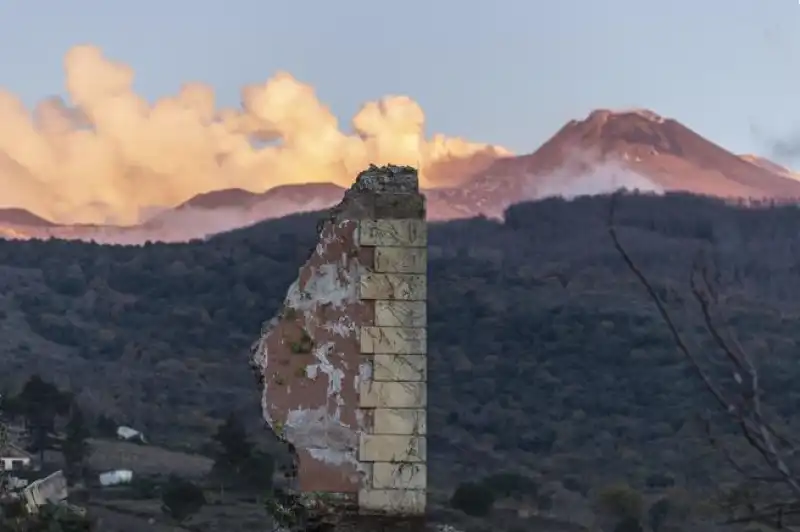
<point>14,459</point>
<point>51,489</point>
<point>129,434</point>
<point>118,476</point>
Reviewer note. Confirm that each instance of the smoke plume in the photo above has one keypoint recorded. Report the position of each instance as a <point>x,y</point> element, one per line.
<point>588,174</point>
<point>108,156</point>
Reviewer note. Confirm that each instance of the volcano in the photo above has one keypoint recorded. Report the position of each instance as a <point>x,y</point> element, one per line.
<point>634,149</point>
<point>607,150</point>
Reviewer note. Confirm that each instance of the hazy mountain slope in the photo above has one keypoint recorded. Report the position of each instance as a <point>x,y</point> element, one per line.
<point>771,166</point>
<point>554,380</point>
<point>22,217</point>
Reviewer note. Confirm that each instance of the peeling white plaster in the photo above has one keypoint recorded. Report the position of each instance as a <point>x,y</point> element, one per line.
<point>364,375</point>
<point>330,456</point>
<point>341,327</point>
<point>334,374</point>
<point>329,284</point>
<point>265,408</point>
<point>259,359</point>
<point>322,435</point>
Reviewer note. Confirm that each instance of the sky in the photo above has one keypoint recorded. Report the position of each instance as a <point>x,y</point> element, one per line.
<point>508,72</point>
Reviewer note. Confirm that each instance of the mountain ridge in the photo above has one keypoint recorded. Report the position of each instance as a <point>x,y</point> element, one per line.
<point>605,151</point>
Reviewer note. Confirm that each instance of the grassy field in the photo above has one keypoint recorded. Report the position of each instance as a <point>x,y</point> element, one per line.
<point>136,515</point>
<point>126,509</point>
<point>146,459</point>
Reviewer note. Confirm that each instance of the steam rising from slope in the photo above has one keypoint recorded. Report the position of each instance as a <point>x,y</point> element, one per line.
<point>603,178</point>
<point>108,155</point>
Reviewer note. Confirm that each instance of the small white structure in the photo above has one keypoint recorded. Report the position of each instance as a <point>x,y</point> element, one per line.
<point>16,483</point>
<point>51,489</point>
<point>116,477</point>
<point>129,434</point>
<point>13,458</point>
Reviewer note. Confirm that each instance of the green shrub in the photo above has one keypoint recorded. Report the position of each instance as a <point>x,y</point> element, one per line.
<point>181,498</point>
<point>473,499</point>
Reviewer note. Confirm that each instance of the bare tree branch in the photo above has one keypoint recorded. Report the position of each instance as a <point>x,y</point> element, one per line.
<point>743,405</point>
<point>662,310</point>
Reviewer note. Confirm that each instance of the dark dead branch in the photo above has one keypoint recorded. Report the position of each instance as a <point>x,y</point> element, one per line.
<point>742,404</point>
<point>662,310</point>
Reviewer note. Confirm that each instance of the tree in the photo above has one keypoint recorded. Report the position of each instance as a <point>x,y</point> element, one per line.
<point>237,458</point>
<point>4,441</point>
<point>40,403</point>
<point>106,427</point>
<point>658,513</point>
<point>181,499</point>
<point>659,481</point>
<point>629,524</point>
<point>235,449</point>
<point>10,407</point>
<point>74,448</point>
<point>775,498</point>
<point>621,502</point>
<point>509,484</point>
<point>544,502</point>
<point>37,394</point>
<point>258,471</point>
<point>672,509</point>
<point>473,498</point>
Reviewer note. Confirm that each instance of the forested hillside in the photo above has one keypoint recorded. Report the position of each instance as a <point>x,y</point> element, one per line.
<point>577,382</point>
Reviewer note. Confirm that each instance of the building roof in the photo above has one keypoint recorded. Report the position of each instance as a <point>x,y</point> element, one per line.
<point>12,451</point>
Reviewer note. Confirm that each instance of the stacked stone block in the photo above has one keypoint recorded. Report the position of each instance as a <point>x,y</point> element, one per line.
<point>393,373</point>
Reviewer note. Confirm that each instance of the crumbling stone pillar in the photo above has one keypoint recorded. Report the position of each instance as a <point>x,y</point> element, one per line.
<point>343,365</point>
<point>393,387</point>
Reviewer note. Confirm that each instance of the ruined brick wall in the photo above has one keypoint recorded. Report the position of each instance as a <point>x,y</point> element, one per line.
<point>343,365</point>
